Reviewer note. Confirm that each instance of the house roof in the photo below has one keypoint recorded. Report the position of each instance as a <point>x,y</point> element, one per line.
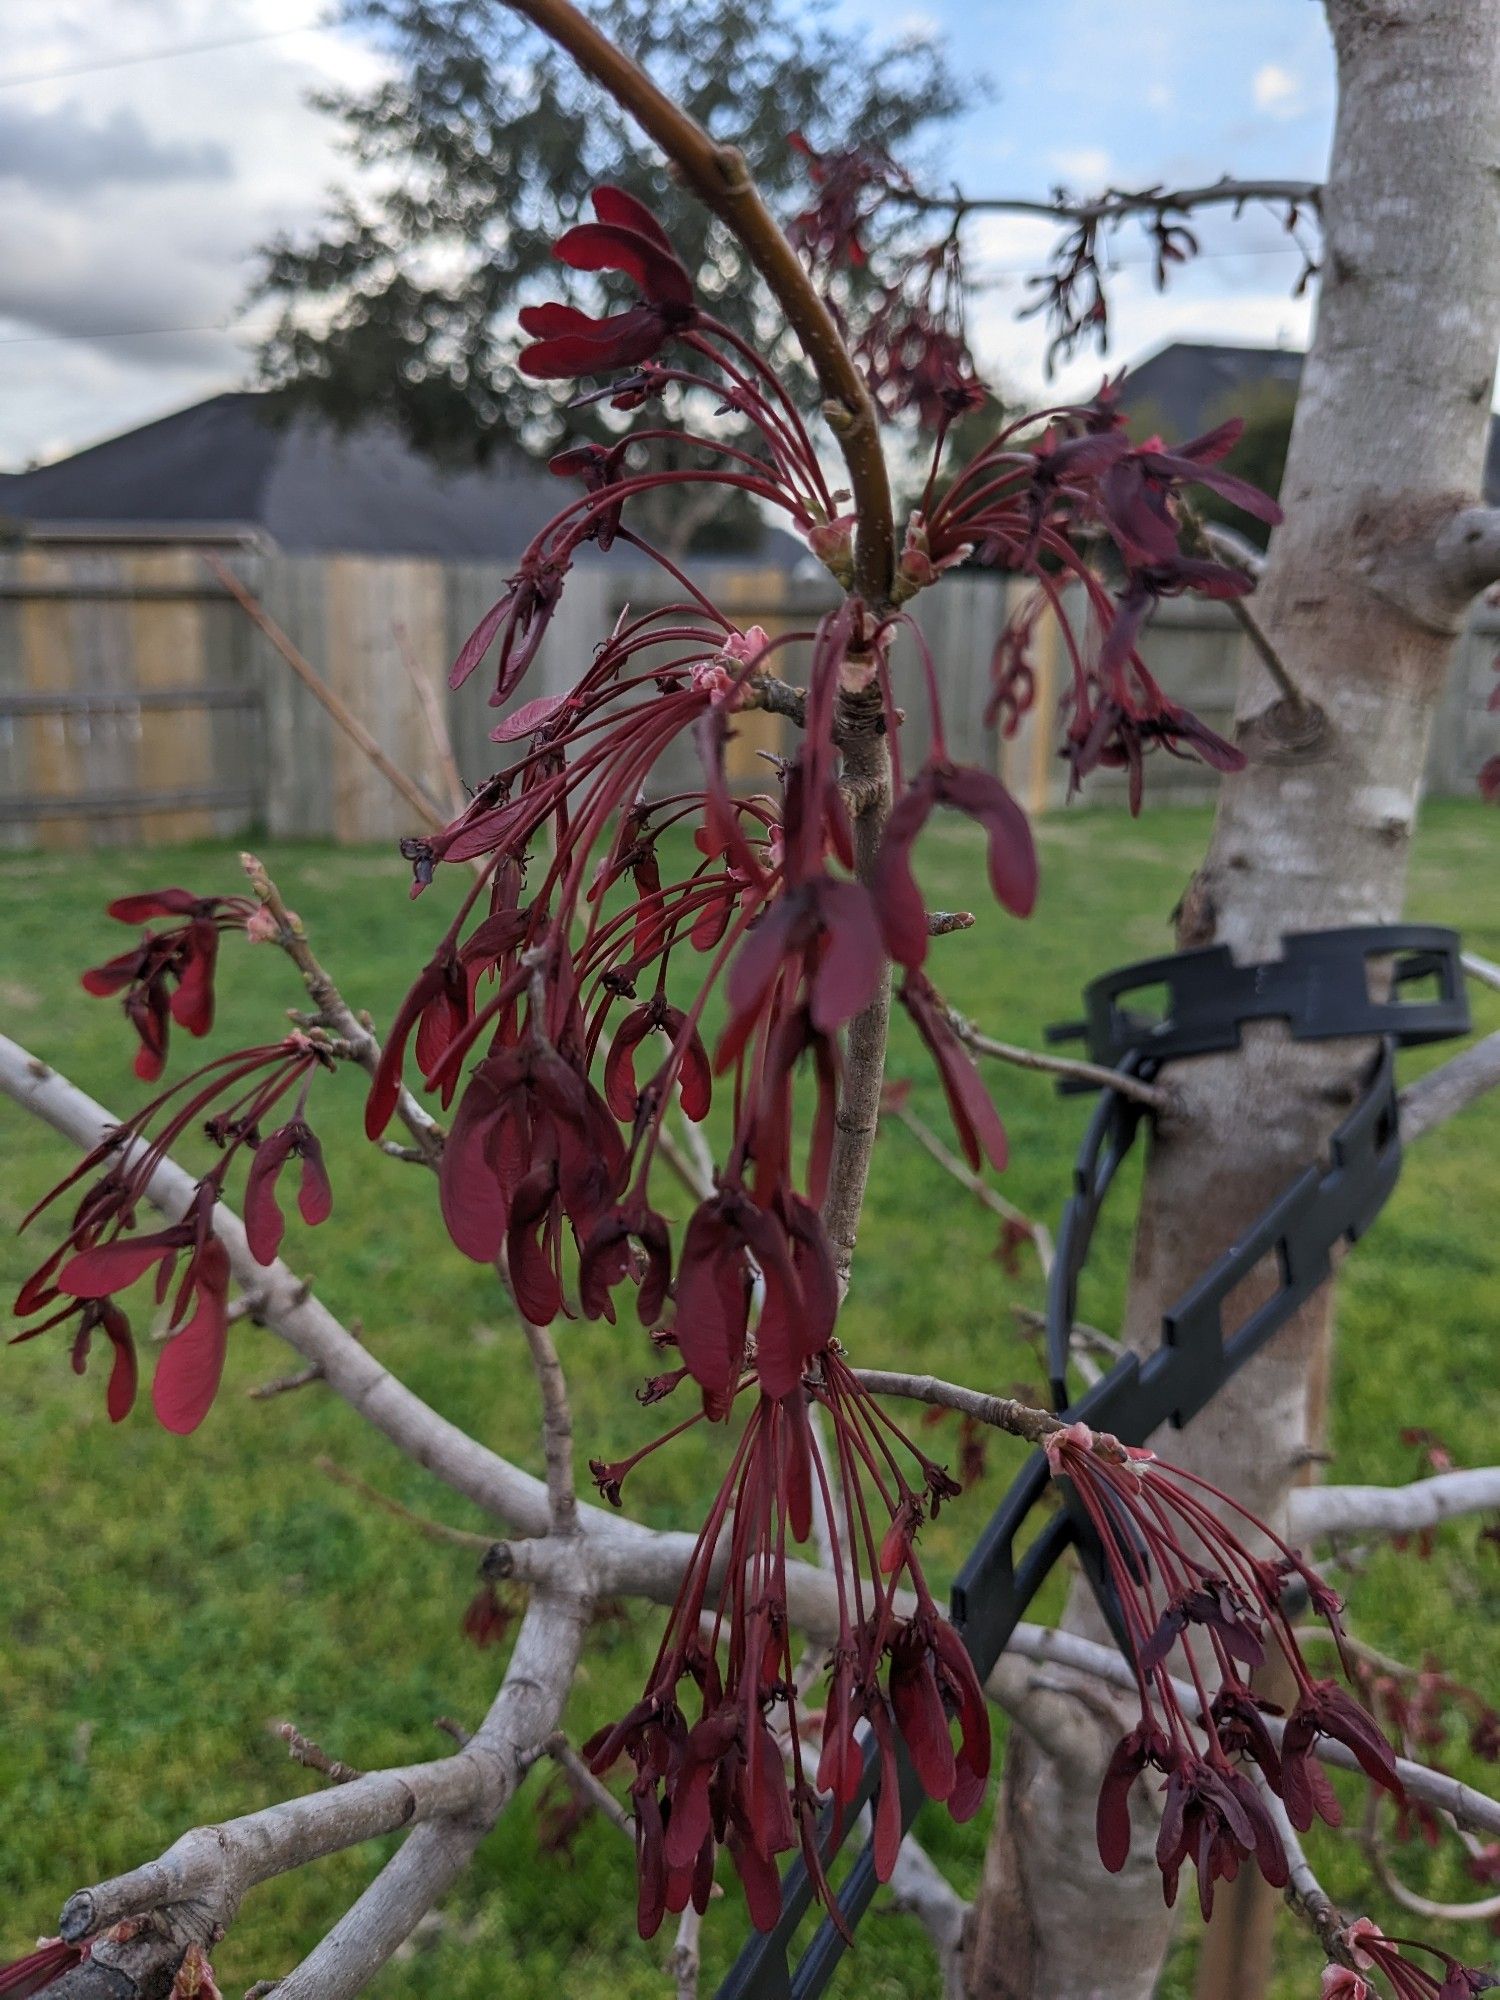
<point>1188,386</point>
<point>224,466</point>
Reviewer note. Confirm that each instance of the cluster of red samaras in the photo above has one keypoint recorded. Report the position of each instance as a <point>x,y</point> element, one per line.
<point>1178,1567</point>
<point>1187,1584</point>
<point>1370,1950</point>
<point>568,961</point>
<point>232,1098</point>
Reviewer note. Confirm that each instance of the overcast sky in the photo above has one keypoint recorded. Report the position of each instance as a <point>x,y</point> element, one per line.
<point>138,168</point>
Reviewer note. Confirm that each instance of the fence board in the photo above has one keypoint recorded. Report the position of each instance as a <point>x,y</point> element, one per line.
<point>138,704</point>
<point>299,734</point>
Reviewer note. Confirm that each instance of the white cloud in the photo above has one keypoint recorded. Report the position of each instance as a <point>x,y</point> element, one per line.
<point>135,194</point>
<point>1277,91</point>
<point>1085,167</point>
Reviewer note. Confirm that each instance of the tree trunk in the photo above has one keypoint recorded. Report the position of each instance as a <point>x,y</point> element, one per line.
<point>1387,446</point>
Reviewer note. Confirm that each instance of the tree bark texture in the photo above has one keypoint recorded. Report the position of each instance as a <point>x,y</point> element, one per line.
<point>1387,448</point>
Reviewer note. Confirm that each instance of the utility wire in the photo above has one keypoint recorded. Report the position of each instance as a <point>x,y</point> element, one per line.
<point>153,55</point>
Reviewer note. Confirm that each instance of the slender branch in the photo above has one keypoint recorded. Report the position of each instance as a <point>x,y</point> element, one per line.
<point>1450,1088</point>
<point>587,1786</point>
<point>1156,1095</point>
<point>918,1888</point>
<point>1481,969</point>
<point>282,1385</point>
<point>1484,1910</point>
<point>684,1961</point>
<point>433,1531</point>
<point>302,1750</point>
<point>437,725</point>
<point>717,174</point>
<point>976,1184</point>
<point>217,1865</point>
<point>332,1009</point>
<point>1003,1412</point>
<point>723,183</point>
<point>321,692</point>
<point>524,1713</point>
<point>1197,538</point>
<point>1083,1335</point>
<point>1305,1892</point>
<point>1233,547</point>
<point>1392,1510</point>
<point>1116,204</point>
<point>289,1309</point>
<point>637,1559</point>
<point>557,1428</point>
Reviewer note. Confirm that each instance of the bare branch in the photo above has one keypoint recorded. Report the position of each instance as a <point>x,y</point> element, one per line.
<point>281,1385</point>
<point>436,720</point>
<point>321,692</point>
<point>289,1309</point>
<point>1317,1511</point>
<point>587,1786</point>
<point>637,1559</point>
<point>433,1531</point>
<point>977,1185</point>
<point>302,1750</point>
<point>867,763</point>
<point>1450,1088</point>
<point>683,1964</point>
<point>557,1428</point>
<point>1305,1892</point>
<point>1300,720</point>
<point>1157,1096</point>
<point>918,1888</point>
<point>1117,204</point>
<point>1483,1910</point>
<point>1231,546</point>
<point>191,1894</point>
<point>332,1009</point>
<point>1481,969</point>
<point>1003,1412</point>
<point>524,1713</point>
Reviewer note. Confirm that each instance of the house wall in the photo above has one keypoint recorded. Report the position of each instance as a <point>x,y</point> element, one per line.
<point>140,705</point>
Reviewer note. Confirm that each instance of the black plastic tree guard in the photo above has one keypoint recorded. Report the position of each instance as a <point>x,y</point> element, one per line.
<point>1324,986</point>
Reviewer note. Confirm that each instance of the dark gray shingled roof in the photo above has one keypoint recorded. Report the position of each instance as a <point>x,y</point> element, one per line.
<point>311,489</point>
<point>1190,385</point>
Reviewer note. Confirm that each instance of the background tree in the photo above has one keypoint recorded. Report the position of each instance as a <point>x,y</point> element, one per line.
<point>481,147</point>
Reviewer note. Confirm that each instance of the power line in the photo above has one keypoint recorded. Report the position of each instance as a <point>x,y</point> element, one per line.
<point>122,333</point>
<point>154,55</point>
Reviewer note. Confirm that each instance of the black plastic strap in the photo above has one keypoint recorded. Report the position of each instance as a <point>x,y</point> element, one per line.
<point>1321,1208</point>
<point>1322,988</point>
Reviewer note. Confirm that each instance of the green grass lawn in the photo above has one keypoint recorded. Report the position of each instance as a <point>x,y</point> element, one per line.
<point>165,1598</point>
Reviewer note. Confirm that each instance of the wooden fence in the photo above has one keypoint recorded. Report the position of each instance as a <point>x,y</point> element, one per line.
<point>139,704</point>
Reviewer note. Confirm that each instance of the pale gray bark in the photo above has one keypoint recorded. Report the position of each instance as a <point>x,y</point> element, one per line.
<point>1386,450</point>
<point>1319,1511</point>
<point>1450,1088</point>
